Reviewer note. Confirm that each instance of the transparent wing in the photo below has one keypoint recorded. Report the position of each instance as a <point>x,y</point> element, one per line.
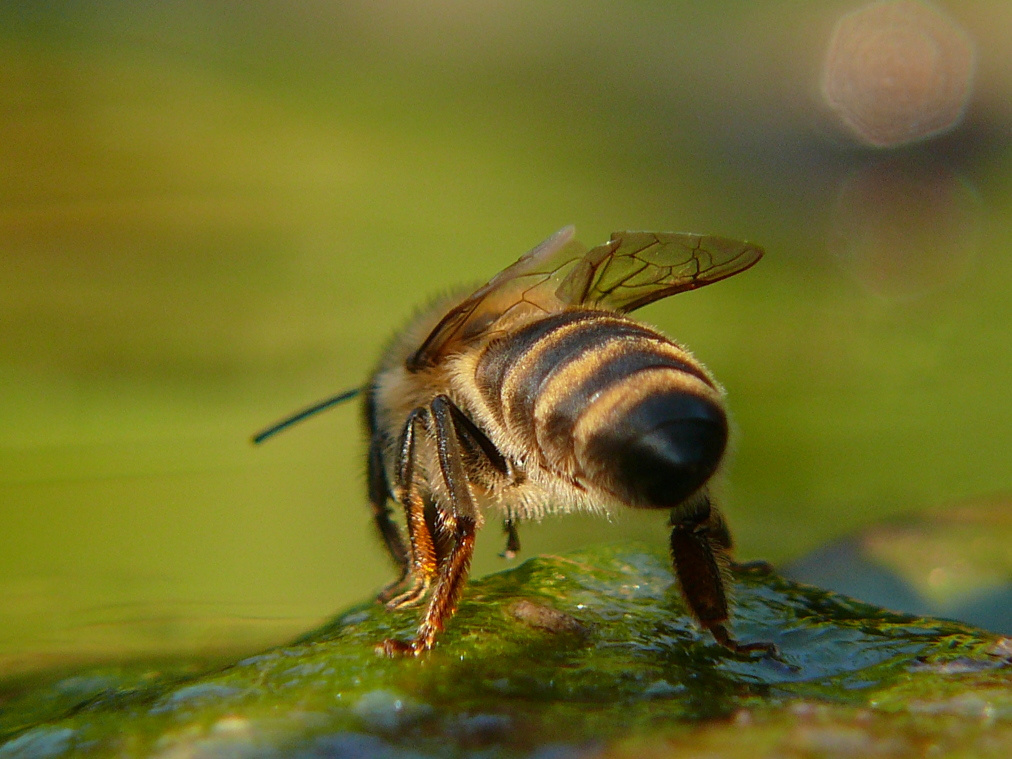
<point>636,268</point>
<point>527,285</point>
<point>629,271</point>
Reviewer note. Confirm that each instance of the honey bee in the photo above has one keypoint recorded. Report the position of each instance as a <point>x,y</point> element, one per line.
<point>537,394</point>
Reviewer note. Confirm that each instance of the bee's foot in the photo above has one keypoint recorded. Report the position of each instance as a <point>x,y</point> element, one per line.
<point>761,649</point>
<point>764,650</point>
<point>393,589</point>
<point>409,597</point>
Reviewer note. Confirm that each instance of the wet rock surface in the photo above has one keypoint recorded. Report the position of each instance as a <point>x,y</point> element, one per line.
<point>588,654</point>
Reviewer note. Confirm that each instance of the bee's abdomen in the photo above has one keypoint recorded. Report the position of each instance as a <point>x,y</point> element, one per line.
<point>608,400</point>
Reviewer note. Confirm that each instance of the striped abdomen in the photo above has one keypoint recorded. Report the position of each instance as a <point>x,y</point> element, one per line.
<point>609,402</point>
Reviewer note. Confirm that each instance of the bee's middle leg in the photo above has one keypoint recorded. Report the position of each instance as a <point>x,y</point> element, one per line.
<point>420,570</point>
<point>509,526</point>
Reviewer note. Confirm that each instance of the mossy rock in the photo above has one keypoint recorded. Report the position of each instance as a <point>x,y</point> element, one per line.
<point>588,654</point>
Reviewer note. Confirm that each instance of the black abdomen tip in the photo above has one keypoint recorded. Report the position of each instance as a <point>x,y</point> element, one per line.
<point>662,451</point>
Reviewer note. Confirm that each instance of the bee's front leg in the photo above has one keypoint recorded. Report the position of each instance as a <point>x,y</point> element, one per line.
<point>445,591</point>
<point>458,520</point>
<point>379,497</point>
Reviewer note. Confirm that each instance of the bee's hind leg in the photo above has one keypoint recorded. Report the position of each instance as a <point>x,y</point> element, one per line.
<point>699,548</point>
<point>720,537</point>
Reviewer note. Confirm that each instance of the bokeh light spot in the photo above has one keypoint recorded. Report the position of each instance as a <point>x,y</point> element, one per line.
<point>905,230</point>
<point>896,72</point>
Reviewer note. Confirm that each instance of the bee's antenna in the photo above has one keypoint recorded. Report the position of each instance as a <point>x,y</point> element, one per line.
<point>298,416</point>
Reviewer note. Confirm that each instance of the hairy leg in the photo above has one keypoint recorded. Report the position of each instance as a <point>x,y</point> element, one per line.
<point>411,587</point>
<point>699,544</point>
<point>458,519</point>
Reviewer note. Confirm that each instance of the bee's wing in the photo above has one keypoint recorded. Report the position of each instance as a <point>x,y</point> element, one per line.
<point>629,271</point>
<point>528,284</point>
<point>633,269</point>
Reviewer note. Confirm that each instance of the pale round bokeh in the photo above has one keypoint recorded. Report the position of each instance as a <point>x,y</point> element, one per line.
<point>897,72</point>
<point>906,230</point>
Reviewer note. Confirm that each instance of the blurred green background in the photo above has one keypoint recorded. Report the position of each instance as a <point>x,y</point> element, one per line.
<point>212,214</point>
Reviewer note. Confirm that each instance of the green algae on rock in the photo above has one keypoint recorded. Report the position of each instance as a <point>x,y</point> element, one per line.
<point>560,654</point>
